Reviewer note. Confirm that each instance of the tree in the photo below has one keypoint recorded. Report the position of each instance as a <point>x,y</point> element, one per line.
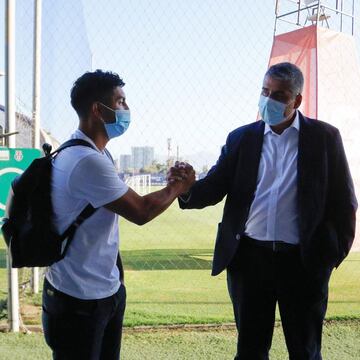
<point>154,168</point>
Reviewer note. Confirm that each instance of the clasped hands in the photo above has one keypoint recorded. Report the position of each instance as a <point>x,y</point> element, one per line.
<point>182,176</point>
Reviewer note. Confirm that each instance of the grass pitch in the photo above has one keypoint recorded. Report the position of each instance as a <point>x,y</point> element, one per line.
<point>340,341</point>
<point>167,275</point>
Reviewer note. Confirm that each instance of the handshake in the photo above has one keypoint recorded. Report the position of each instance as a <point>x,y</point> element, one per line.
<point>181,176</point>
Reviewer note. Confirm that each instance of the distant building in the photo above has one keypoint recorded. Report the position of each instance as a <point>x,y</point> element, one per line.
<point>24,138</point>
<point>125,163</point>
<point>141,156</point>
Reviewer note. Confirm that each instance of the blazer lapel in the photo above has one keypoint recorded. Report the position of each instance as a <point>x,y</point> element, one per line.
<point>248,162</point>
<point>311,162</point>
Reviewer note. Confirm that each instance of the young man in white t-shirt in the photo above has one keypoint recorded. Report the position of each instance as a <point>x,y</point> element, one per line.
<point>84,297</point>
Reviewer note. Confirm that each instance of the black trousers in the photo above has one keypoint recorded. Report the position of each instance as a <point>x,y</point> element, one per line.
<point>83,329</point>
<point>258,278</point>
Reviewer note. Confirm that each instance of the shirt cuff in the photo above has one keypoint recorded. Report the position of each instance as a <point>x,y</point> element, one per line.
<point>185,198</point>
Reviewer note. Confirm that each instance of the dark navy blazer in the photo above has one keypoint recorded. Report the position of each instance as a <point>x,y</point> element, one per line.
<point>326,198</point>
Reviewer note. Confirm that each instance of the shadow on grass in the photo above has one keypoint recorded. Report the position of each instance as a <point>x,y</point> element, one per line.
<point>343,302</point>
<point>167,259</point>
<point>2,258</point>
<point>181,302</point>
<point>3,309</point>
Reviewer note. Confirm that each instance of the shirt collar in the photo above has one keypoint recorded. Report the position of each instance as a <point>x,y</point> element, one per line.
<point>78,134</point>
<point>295,124</point>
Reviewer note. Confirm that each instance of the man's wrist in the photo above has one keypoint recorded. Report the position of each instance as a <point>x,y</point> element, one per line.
<point>175,189</point>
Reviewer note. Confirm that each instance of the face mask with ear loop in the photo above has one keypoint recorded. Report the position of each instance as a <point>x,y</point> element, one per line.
<point>120,125</point>
<point>272,111</point>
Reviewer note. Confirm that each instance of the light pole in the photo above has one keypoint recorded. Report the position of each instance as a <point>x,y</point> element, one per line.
<point>10,122</point>
<point>2,136</point>
<point>36,103</point>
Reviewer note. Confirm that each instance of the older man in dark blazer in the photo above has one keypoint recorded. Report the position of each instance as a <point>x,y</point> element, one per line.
<point>289,218</point>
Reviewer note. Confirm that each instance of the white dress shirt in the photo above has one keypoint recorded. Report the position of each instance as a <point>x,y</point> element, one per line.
<point>274,214</point>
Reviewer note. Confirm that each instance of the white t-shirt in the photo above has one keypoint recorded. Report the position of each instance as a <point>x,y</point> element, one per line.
<point>83,175</point>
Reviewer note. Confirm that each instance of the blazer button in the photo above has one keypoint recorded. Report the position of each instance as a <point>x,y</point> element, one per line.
<point>237,237</point>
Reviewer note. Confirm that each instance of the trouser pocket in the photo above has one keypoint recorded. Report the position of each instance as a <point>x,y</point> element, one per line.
<point>65,318</point>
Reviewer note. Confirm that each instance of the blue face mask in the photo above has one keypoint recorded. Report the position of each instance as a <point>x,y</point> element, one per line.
<point>120,125</point>
<point>271,111</point>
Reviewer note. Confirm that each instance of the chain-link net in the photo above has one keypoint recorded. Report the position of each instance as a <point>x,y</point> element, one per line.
<point>193,72</point>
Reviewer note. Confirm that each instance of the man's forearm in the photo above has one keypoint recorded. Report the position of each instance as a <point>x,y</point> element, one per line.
<point>158,201</point>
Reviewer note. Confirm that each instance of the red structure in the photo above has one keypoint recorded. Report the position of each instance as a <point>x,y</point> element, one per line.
<point>329,61</point>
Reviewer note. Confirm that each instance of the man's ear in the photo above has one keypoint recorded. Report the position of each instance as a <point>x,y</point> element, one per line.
<point>95,109</point>
<point>298,101</point>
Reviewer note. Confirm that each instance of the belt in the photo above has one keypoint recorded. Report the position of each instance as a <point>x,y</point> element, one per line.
<point>275,246</point>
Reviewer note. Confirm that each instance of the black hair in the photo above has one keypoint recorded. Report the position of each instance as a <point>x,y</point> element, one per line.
<point>92,87</point>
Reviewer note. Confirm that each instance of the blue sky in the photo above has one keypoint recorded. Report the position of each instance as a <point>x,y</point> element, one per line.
<point>193,68</point>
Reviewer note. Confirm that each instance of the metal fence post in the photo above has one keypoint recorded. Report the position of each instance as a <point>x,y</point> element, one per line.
<point>10,120</point>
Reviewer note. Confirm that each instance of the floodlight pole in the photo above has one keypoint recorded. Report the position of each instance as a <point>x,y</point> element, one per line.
<point>353,17</point>
<point>36,74</point>
<point>10,124</point>
<point>36,104</point>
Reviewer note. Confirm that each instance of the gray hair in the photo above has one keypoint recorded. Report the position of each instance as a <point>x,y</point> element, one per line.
<point>289,73</point>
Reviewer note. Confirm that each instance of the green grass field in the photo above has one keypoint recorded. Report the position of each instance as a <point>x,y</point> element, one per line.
<point>168,264</point>
<point>168,280</point>
<point>174,229</point>
<point>340,342</point>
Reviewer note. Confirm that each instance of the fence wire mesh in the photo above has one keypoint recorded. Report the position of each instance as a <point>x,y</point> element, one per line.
<point>193,72</point>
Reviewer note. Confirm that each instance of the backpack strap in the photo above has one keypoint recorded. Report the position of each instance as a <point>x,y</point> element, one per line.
<point>107,152</point>
<point>72,142</point>
<point>69,233</point>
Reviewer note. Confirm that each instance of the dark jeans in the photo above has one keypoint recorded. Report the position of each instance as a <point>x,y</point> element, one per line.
<point>258,278</point>
<point>83,329</point>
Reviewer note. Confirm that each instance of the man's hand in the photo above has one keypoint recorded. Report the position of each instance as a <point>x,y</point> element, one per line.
<point>142,209</point>
<point>181,176</point>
